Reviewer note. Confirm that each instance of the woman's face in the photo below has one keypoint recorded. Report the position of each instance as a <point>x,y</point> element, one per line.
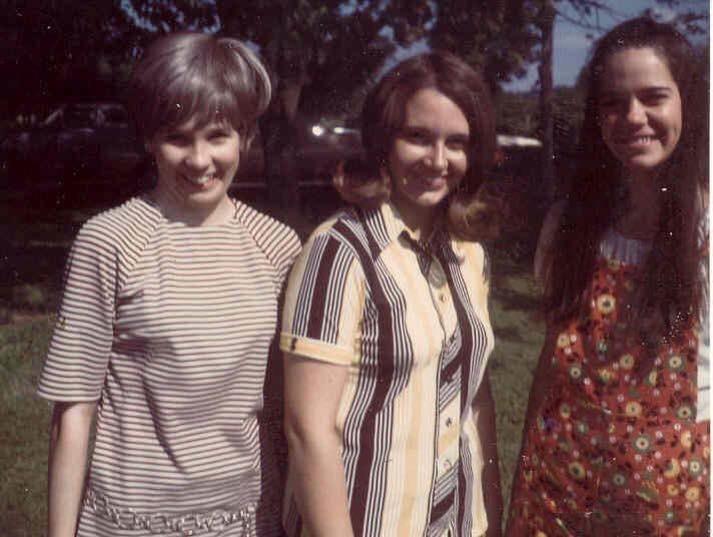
<point>639,110</point>
<point>429,156</point>
<point>196,165</point>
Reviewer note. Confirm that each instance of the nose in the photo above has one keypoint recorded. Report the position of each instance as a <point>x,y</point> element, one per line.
<point>635,112</point>
<point>437,158</point>
<point>197,156</point>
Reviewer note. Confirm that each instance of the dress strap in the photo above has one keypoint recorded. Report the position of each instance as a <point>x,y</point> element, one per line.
<point>616,246</point>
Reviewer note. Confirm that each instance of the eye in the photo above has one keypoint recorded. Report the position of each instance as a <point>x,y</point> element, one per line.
<point>219,132</point>
<point>655,98</point>
<point>416,136</point>
<point>458,143</point>
<point>176,138</point>
<point>610,103</point>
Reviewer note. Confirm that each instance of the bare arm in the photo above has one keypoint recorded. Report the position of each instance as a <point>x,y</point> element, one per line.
<point>540,380</point>
<point>545,242</point>
<point>69,444</point>
<point>312,393</point>
<point>484,411</point>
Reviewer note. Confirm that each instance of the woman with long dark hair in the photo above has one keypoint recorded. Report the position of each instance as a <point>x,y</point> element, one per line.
<point>389,415</point>
<point>616,439</point>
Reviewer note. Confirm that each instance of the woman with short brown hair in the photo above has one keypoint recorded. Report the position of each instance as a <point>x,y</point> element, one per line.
<point>167,318</point>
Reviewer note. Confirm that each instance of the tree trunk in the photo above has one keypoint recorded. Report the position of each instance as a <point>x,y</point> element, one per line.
<point>278,131</point>
<point>279,146</point>
<point>547,20</point>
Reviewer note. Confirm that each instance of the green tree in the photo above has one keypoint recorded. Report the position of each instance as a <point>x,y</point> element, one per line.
<point>691,16</point>
<point>494,36</point>
<point>321,52</point>
<point>54,51</point>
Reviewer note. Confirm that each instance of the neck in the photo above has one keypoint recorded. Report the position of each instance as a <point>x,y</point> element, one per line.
<point>178,211</point>
<point>419,221</point>
<point>641,217</point>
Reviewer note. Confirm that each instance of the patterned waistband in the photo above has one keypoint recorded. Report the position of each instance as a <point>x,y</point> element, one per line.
<point>188,524</point>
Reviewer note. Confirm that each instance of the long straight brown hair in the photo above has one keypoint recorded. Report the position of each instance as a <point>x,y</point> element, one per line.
<point>672,289</point>
<point>383,116</point>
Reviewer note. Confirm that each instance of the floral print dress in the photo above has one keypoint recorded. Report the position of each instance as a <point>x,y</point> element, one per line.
<point>613,450</point>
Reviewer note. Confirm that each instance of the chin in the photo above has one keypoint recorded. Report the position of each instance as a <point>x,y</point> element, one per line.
<point>643,166</point>
<point>432,199</point>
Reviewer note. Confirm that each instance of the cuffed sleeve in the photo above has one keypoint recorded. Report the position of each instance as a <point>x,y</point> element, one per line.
<point>324,302</point>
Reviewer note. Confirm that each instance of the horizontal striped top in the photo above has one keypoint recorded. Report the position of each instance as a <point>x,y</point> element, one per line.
<point>410,321</point>
<point>169,327</point>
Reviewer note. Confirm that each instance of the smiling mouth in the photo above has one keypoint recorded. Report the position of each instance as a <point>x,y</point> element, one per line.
<point>201,181</point>
<point>435,183</point>
<point>637,141</point>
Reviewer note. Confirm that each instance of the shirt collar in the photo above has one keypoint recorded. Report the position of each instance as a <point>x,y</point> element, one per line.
<point>386,225</point>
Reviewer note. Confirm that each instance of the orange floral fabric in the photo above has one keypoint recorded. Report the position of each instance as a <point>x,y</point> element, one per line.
<point>614,450</point>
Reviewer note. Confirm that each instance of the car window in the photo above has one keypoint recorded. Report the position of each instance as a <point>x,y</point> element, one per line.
<point>76,117</point>
<point>54,118</point>
<point>115,115</point>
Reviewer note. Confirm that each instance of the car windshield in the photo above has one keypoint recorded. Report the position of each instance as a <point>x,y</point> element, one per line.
<point>76,117</point>
<point>115,115</point>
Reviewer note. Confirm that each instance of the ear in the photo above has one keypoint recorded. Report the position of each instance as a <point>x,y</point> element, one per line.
<point>385,175</point>
<point>245,142</point>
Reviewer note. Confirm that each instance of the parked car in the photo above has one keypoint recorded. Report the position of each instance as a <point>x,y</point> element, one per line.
<point>319,144</point>
<point>322,144</point>
<point>75,142</point>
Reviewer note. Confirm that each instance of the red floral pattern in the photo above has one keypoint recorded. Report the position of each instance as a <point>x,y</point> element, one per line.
<point>614,451</point>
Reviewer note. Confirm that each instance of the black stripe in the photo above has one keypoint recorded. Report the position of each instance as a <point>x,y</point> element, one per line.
<point>442,507</point>
<point>384,378</point>
<point>319,297</point>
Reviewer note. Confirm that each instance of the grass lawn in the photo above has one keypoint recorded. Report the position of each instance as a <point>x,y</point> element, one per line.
<point>35,245</point>
<point>519,335</point>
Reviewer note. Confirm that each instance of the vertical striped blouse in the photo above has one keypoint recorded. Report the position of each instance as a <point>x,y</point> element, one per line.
<point>410,320</point>
<point>168,326</point>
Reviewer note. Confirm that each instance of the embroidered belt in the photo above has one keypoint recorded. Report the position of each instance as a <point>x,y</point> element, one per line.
<point>160,523</point>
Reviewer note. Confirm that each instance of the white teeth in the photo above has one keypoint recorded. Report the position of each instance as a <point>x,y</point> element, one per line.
<point>202,180</point>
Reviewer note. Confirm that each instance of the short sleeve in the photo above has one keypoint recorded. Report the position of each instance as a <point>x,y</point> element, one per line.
<point>278,242</point>
<point>79,350</point>
<point>476,271</point>
<point>286,251</point>
<point>324,302</point>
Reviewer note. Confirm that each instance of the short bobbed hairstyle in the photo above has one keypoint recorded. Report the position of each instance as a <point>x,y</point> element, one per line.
<point>188,75</point>
<point>384,114</point>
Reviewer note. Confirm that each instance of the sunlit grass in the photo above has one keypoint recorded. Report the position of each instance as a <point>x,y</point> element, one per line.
<point>24,420</point>
<point>519,335</point>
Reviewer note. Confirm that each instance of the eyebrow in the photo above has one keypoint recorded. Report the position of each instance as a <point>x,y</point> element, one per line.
<point>422,128</point>
<point>647,89</point>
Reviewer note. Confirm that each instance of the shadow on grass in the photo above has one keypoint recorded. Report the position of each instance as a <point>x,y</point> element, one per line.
<point>509,333</point>
<point>36,240</point>
<point>511,299</point>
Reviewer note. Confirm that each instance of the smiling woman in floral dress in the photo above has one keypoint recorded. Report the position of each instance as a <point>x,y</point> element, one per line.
<point>168,314</point>
<point>616,437</point>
